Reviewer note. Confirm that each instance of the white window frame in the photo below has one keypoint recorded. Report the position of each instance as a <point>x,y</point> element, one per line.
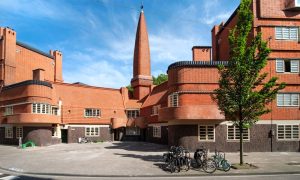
<point>9,110</point>
<point>293,134</point>
<point>288,99</point>
<point>207,139</point>
<point>19,132</point>
<point>132,131</point>
<point>155,109</point>
<point>157,131</point>
<point>294,65</point>
<point>132,113</point>
<point>41,108</point>
<point>173,100</point>
<point>90,131</point>
<point>54,110</point>
<point>94,113</point>
<point>9,132</point>
<point>236,133</point>
<point>279,33</point>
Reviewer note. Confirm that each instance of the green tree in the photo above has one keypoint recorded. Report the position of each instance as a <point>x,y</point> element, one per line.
<point>160,79</point>
<point>243,92</point>
<point>130,88</point>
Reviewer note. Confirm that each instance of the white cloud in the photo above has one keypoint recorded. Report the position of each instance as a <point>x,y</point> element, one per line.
<point>99,73</point>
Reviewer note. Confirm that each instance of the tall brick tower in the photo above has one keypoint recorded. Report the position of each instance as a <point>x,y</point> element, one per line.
<point>142,79</point>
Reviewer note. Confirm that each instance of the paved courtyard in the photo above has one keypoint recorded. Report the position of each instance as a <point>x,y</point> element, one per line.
<point>124,159</point>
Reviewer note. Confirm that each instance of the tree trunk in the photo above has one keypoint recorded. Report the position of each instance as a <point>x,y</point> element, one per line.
<point>241,143</point>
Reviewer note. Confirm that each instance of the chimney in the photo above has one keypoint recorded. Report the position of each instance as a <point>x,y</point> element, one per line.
<point>214,40</point>
<point>39,74</point>
<point>57,55</point>
<point>201,53</point>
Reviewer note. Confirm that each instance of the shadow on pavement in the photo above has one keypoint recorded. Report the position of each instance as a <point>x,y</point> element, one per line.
<point>138,146</point>
<point>23,177</point>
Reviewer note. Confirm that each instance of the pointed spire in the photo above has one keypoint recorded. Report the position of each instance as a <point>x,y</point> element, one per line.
<point>142,79</point>
<point>142,7</point>
<point>141,50</point>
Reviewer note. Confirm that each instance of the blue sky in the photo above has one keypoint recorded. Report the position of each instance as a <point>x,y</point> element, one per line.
<point>96,37</point>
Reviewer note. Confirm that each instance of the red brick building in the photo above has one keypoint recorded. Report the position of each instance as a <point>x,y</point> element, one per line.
<point>35,103</point>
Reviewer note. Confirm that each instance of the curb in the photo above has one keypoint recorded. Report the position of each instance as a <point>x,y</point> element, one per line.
<point>167,175</point>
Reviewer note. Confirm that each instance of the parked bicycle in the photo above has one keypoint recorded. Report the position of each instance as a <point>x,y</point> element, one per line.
<point>82,140</point>
<point>177,158</point>
<point>221,162</point>
<point>209,165</point>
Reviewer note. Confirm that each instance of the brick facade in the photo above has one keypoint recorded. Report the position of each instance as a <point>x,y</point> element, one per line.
<point>30,76</point>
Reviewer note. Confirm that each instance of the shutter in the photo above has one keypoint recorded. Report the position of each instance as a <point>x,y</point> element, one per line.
<point>295,66</point>
<point>279,99</point>
<point>279,65</point>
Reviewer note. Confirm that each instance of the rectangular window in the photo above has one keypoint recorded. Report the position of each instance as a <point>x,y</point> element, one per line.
<point>55,111</point>
<point>9,131</point>
<point>155,110</point>
<point>288,132</point>
<point>19,132</point>
<point>287,65</point>
<point>233,133</point>
<point>133,113</point>
<point>92,113</point>
<point>173,100</point>
<point>288,99</point>
<point>297,3</point>
<point>92,131</point>
<point>41,108</point>
<point>9,110</point>
<point>206,133</point>
<point>132,131</point>
<point>157,131</point>
<point>286,33</point>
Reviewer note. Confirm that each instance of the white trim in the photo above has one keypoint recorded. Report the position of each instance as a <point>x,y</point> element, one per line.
<point>16,104</point>
<point>158,130</point>
<point>17,132</point>
<point>84,125</point>
<point>235,133</point>
<point>92,127</point>
<point>6,130</point>
<point>206,133</point>
<point>284,134</point>
<point>268,122</point>
<point>157,124</point>
<point>194,122</point>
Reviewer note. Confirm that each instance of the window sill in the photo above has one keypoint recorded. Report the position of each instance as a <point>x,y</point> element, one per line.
<point>284,140</point>
<point>237,140</point>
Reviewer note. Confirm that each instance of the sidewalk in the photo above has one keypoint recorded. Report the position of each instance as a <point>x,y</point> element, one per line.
<point>126,159</point>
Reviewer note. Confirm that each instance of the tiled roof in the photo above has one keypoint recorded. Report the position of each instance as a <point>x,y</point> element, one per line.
<point>197,64</point>
<point>158,95</point>
<point>34,49</point>
<point>29,82</point>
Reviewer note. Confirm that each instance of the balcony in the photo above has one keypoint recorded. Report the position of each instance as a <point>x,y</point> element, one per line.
<point>33,118</point>
<point>200,112</point>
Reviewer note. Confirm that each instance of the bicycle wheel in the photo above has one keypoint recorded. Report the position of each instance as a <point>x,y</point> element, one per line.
<point>209,166</point>
<point>172,166</point>
<point>225,165</point>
